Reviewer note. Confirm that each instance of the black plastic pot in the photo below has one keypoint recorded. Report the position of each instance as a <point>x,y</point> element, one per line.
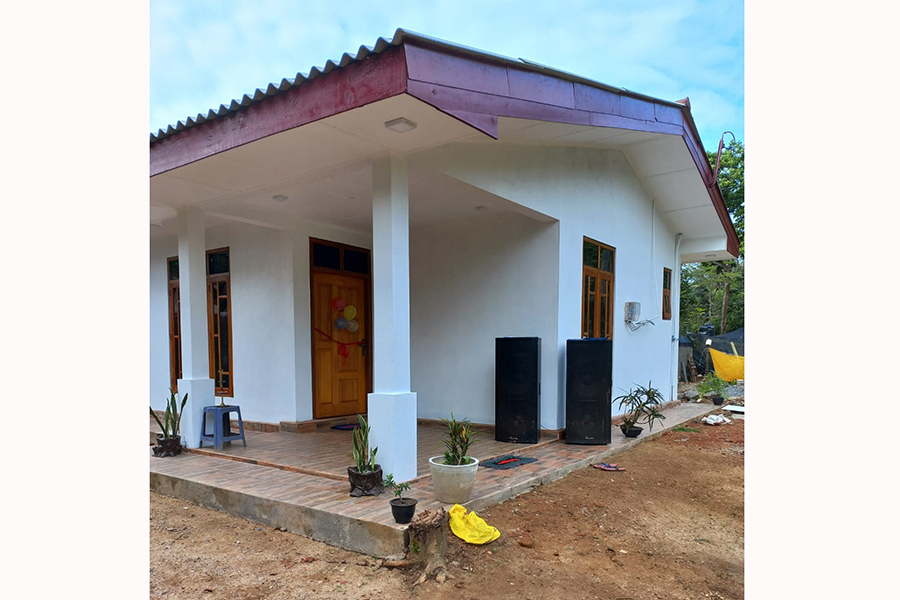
<point>167,446</point>
<point>631,431</point>
<point>718,400</point>
<point>370,483</point>
<point>403,509</point>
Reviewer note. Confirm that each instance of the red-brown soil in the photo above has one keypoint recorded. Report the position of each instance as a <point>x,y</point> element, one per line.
<point>671,526</point>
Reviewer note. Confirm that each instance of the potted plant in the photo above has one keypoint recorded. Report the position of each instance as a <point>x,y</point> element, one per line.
<point>366,476</point>
<point>402,508</point>
<point>168,443</point>
<point>714,388</point>
<point>642,404</point>
<point>453,474</point>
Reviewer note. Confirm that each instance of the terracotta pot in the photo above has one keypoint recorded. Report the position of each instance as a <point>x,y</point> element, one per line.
<point>370,483</point>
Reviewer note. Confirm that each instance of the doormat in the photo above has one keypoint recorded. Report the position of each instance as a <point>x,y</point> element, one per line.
<point>507,462</point>
<point>346,426</point>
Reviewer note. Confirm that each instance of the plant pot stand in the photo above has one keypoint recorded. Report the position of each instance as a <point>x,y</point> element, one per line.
<point>370,483</point>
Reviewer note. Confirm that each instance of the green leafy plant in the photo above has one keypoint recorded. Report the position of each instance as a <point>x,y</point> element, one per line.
<point>414,546</point>
<point>686,429</point>
<point>171,422</point>
<point>362,456</point>
<point>398,488</point>
<point>642,404</point>
<point>459,438</point>
<point>712,386</point>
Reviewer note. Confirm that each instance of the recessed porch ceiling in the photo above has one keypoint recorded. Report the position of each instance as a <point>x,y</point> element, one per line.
<point>324,171</point>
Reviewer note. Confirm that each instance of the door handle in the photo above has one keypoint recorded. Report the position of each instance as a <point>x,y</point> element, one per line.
<point>363,345</point>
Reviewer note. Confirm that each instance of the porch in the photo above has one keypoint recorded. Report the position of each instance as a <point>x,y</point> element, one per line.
<point>299,480</point>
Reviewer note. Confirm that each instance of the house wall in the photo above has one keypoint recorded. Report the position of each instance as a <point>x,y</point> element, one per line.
<point>594,193</point>
<point>470,284</point>
<point>270,316</point>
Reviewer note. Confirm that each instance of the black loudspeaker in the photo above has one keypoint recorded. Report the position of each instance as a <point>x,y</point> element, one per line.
<point>589,391</point>
<point>518,390</point>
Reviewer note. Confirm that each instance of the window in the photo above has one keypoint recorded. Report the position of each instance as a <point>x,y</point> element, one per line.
<point>339,257</point>
<point>667,295</point>
<point>598,269</point>
<point>218,311</point>
<point>174,324</point>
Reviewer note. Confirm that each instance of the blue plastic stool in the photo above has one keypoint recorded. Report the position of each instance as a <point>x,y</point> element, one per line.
<point>221,426</point>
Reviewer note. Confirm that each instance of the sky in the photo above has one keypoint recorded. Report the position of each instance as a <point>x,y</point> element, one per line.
<point>205,53</point>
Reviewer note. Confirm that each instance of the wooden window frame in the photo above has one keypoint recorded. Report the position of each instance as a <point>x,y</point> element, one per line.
<point>174,294</point>
<point>599,277</point>
<point>227,392</point>
<point>667,295</point>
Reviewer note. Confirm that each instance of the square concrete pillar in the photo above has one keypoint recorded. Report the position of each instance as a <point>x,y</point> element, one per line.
<point>392,406</point>
<point>194,326</point>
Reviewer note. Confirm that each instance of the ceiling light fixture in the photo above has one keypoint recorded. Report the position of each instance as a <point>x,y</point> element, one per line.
<point>710,256</point>
<point>400,125</point>
<point>280,198</point>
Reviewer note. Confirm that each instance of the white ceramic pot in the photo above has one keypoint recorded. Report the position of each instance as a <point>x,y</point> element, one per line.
<point>452,483</point>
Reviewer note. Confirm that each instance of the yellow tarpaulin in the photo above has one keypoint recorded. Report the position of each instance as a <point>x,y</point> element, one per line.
<point>727,366</point>
<point>470,527</point>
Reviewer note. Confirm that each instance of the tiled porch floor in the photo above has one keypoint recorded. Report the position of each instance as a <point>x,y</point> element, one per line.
<point>327,452</point>
<point>299,480</point>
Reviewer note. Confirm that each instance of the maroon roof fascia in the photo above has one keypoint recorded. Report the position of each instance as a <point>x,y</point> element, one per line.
<point>377,77</point>
<point>466,87</point>
<point>474,88</point>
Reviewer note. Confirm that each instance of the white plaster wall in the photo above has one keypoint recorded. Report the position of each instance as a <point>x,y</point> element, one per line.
<point>159,321</point>
<point>594,193</point>
<point>470,284</point>
<point>270,316</point>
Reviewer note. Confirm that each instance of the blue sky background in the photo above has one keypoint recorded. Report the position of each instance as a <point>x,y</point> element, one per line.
<point>204,53</point>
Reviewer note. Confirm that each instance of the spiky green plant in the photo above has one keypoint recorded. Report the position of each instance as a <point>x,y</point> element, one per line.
<point>642,404</point>
<point>364,459</point>
<point>460,436</point>
<point>171,423</point>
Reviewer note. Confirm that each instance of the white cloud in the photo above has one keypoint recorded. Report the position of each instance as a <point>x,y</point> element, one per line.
<point>205,53</point>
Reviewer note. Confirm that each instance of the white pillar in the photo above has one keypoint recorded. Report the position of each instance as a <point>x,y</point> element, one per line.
<point>194,338</point>
<point>392,406</point>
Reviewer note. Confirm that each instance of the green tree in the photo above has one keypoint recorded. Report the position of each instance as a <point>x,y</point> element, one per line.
<point>714,292</point>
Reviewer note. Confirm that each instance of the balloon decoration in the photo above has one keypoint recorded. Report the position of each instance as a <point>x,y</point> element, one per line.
<point>352,325</point>
<point>350,313</point>
<point>339,304</point>
<point>341,323</point>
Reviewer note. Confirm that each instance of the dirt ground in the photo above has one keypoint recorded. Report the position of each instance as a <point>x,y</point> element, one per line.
<point>671,526</point>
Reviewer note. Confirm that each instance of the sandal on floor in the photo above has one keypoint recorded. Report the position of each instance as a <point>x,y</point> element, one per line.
<point>608,467</point>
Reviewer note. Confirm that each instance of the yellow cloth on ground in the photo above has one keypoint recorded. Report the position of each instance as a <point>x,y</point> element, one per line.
<point>727,366</point>
<point>470,527</point>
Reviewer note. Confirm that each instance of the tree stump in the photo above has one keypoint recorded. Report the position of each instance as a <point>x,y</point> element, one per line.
<point>427,545</point>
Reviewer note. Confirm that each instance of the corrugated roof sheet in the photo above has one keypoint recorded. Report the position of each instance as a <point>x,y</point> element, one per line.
<point>381,45</point>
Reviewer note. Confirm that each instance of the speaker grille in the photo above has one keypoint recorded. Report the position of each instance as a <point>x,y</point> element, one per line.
<point>518,390</point>
<point>589,391</point>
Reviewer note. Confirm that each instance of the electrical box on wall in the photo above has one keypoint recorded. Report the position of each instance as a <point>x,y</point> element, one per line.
<point>632,311</point>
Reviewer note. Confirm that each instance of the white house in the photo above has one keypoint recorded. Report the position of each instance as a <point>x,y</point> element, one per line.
<point>448,195</point>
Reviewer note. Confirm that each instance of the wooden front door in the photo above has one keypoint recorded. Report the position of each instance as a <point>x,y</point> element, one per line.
<point>340,348</point>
